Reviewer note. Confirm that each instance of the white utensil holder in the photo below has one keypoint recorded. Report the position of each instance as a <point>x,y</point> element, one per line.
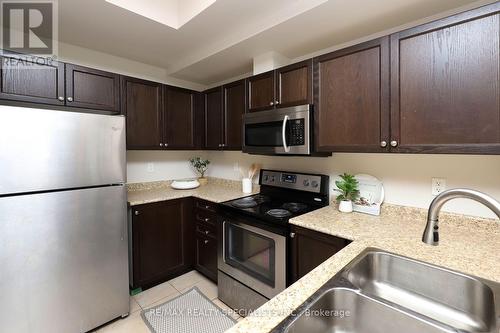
<point>246,185</point>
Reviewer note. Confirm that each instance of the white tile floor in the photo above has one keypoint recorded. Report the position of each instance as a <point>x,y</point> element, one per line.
<point>160,294</point>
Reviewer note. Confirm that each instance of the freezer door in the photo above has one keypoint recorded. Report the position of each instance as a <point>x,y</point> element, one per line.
<point>63,260</point>
<point>46,149</point>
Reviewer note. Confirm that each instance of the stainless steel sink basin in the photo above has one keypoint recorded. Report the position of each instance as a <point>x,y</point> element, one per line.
<point>384,292</point>
<point>345,311</point>
<point>456,299</point>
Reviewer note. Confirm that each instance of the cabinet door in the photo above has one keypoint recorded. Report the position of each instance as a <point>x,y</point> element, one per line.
<point>445,91</point>
<point>31,82</point>
<point>159,243</point>
<point>234,109</point>
<point>213,118</point>
<point>142,104</point>
<point>261,92</point>
<point>352,98</point>
<point>179,118</point>
<point>92,89</point>
<point>206,256</point>
<point>294,84</point>
<point>309,249</point>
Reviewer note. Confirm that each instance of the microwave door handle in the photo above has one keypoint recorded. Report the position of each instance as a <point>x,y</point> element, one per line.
<point>283,134</point>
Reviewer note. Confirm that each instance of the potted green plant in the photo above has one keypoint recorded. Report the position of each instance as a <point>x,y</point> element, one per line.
<point>201,166</point>
<point>348,190</point>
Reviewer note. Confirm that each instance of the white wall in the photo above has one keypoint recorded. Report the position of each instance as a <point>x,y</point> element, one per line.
<point>406,178</point>
<point>167,165</point>
<point>103,61</point>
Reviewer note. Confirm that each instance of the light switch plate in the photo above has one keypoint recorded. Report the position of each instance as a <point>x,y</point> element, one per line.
<point>151,167</point>
<point>438,185</point>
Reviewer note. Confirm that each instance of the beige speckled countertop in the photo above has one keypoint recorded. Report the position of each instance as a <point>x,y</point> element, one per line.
<point>217,190</point>
<point>470,245</point>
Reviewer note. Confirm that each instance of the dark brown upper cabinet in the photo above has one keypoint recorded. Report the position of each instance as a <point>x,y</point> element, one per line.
<point>31,82</point>
<point>92,89</point>
<point>351,90</point>
<point>445,93</point>
<point>142,103</point>
<point>234,109</point>
<point>286,86</point>
<point>214,118</point>
<point>261,92</point>
<point>294,84</point>
<point>179,118</point>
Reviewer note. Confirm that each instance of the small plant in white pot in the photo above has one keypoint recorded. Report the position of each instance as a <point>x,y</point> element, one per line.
<point>348,192</point>
<point>201,166</point>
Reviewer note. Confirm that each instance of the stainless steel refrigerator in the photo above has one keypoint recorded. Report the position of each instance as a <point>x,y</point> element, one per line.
<point>63,225</point>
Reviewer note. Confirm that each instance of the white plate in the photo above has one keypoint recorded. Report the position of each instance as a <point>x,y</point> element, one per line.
<point>185,184</point>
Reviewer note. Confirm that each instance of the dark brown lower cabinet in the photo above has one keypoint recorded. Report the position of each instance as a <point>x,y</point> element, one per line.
<point>205,219</point>
<point>162,241</point>
<point>308,249</point>
<point>206,256</point>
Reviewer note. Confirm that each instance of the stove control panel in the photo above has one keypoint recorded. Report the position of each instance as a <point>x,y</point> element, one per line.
<point>291,180</point>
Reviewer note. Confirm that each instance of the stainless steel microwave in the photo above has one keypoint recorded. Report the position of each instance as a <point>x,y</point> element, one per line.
<point>284,131</point>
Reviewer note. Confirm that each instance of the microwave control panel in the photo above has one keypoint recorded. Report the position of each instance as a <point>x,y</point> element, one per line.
<point>297,130</point>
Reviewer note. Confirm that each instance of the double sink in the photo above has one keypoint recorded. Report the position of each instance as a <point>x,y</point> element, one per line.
<point>380,292</point>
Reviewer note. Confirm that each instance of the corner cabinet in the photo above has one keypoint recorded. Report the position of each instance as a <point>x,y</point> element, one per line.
<point>309,249</point>
<point>142,103</point>
<point>181,118</point>
<point>161,117</point>
<point>351,89</point>
<point>445,85</point>
<point>162,245</point>
<point>284,87</point>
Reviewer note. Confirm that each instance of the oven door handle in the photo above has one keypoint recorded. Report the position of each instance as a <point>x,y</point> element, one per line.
<point>283,134</point>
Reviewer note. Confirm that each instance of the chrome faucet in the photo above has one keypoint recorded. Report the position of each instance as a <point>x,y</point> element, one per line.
<point>431,232</point>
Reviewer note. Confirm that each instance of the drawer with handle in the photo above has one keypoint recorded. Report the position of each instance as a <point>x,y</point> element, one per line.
<point>205,205</point>
<point>205,230</point>
<point>205,217</point>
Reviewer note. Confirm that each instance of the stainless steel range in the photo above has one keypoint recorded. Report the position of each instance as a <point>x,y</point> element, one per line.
<point>252,254</point>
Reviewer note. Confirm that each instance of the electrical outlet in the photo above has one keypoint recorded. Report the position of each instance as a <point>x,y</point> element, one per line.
<point>438,185</point>
<point>236,166</point>
<point>151,167</point>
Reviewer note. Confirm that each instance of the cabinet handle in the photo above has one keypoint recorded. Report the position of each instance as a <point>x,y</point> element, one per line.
<point>207,232</point>
<point>207,219</point>
<point>136,213</point>
<point>161,144</point>
<point>70,99</point>
<point>61,98</point>
<point>271,103</point>
<point>277,102</point>
<point>206,241</point>
<point>383,144</point>
<point>394,143</point>
<point>166,145</point>
<point>292,235</point>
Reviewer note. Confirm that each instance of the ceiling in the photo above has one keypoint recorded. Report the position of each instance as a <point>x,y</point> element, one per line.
<point>221,41</point>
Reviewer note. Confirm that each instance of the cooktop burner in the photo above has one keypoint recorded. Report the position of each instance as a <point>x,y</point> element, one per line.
<point>279,213</point>
<point>294,207</point>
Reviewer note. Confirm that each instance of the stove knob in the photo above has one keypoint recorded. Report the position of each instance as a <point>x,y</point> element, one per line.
<point>266,178</point>
<point>272,178</point>
<point>314,184</point>
<point>306,182</point>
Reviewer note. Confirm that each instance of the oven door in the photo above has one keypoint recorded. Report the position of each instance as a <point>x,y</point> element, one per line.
<point>254,257</point>
<point>284,131</point>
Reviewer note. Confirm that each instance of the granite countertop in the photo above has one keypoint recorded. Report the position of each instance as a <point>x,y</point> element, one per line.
<point>217,190</point>
<point>469,245</point>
